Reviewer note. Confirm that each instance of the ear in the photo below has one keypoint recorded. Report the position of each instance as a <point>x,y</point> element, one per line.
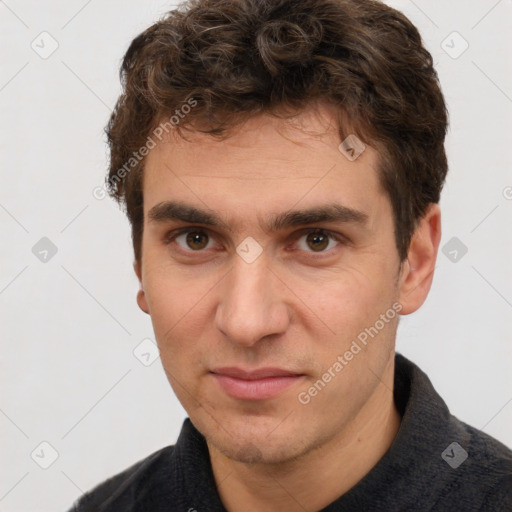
<point>418,270</point>
<point>141,296</point>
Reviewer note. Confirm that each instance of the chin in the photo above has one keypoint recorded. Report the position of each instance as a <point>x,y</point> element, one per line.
<point>254,452</point>
<point>259,442</point>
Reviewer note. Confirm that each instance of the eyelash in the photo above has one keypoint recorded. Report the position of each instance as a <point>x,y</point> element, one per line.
<point>172,235</point>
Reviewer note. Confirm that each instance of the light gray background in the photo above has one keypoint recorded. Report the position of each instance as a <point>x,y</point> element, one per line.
<point>69,326</point>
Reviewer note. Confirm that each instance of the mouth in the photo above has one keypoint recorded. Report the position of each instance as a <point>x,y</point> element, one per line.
<point>260,384</point>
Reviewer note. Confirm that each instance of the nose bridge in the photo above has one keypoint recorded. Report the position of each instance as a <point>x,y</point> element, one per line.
<point>249,303</point>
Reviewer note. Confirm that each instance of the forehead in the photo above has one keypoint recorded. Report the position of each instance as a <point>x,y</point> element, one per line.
<point>265,164</point>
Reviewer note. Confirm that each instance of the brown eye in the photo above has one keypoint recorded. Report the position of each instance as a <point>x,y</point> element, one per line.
<point>317,241</point>
<point>196,240</point>
<point>190,240</point>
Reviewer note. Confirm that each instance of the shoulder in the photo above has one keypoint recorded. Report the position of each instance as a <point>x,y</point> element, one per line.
<point>462,467</point>
<point>481,471</point>
<point>172,478</point>
<point>493,468</point>
<point>127,490</point>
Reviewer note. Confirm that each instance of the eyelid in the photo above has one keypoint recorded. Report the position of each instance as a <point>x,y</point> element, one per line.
<point>338,237</point>
<point>325,231</point>
<point>170,236</point>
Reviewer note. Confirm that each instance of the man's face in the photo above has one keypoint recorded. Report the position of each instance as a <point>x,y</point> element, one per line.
<point>216,302</point>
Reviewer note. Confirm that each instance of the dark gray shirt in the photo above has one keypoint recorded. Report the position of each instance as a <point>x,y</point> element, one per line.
<point>436,462</point>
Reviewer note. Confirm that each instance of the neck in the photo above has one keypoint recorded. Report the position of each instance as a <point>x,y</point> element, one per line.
<point>320,476</point>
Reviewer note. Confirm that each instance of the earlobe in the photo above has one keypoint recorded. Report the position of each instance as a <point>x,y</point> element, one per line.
<point>418,270</point>
<point>141,296</point>
<point>141,301</point>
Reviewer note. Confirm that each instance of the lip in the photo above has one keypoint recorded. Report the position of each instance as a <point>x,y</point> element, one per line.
<point>260,384</point>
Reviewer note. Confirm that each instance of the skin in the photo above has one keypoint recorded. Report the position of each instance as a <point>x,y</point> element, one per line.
<point>296,306</point>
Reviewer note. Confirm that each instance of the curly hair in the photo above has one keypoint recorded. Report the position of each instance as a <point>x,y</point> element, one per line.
<point>233,59</point>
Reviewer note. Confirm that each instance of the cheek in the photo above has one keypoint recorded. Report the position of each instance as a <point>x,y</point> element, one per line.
<point>350,306</point>
<point>177,315</point>
<point>176,305</point>
<point>357,339</point>
<point>348,298</point>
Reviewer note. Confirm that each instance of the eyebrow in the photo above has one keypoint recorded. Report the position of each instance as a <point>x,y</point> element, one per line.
<point>333,212</point>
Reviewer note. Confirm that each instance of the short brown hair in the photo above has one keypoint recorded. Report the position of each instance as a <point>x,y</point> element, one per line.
<point>237,58</point>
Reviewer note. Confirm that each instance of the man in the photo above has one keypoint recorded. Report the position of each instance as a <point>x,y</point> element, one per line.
<point>281,163</point>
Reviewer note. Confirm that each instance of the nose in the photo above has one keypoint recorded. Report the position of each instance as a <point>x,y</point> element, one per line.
<point>252,303</point>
